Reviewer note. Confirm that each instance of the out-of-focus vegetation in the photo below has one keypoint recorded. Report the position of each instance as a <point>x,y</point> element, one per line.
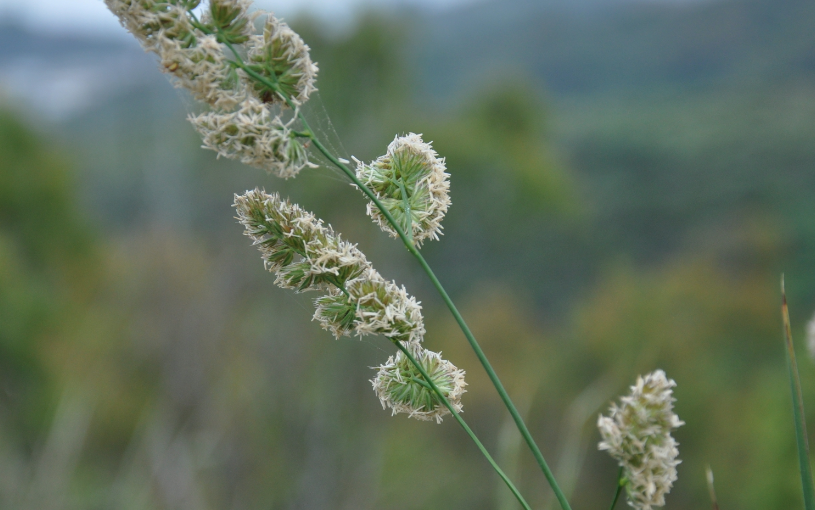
<point>628,181</point>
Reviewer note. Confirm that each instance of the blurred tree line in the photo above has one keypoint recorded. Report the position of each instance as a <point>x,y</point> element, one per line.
<point>149,362</point>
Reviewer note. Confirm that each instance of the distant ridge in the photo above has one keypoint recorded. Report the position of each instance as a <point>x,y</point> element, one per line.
<point>593,46</point>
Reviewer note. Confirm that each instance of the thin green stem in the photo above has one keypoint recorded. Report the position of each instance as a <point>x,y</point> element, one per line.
<point>797,408</point>
<point>423,263</point>
<point>428,382</point>
<point>516,416</point>
<point>406,206</point>
<point>618,490</point>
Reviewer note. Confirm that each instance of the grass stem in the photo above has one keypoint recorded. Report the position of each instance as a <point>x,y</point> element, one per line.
<point>428,382</point>
<point>618,490</point>
<point>797,408</point>
<point>445,297</point>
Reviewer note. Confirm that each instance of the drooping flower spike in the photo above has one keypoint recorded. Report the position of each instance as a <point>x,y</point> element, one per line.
<point>244,120</point>
<point>256,137</point>
<point>411,182</point>
<point>281,56</point>
<point>401,387</point>
<point>203,70</point>
<point>154,21</point>
<point>371,305</point>
<point>637,433</point>
<point>307,255</point>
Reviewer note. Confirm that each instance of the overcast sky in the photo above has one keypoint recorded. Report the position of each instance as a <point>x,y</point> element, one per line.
<point>91,15</point>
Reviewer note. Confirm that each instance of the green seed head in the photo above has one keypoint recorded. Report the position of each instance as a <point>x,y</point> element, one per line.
<point>401,386</point>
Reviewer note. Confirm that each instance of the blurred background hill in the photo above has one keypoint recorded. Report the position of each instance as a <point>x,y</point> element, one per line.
<point>629,179</point>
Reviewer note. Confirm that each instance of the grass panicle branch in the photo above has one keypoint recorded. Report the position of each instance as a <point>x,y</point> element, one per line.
<point>275,70</point>
<point>408,242</point>
<point>429,381</point>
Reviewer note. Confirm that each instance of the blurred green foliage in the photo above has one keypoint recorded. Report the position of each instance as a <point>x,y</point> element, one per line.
<point>147,361</point>
<point>45,254</point>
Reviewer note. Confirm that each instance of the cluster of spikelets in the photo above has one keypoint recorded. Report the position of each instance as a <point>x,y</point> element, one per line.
<point>249,82</point>
<point>637,433</point>
<point>248,96</point>
<point>307,255</point>
<point>247,100</point>
<point>399,385</point>
<point>411,182</point>
<point>245,117</point>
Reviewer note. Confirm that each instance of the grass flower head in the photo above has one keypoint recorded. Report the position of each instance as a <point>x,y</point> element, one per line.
<point>154,21</point>
<point>401,387</point>
<point>411,182</point>
<point>203,70</point>
<point>255,136</point>
<point>370,305</point>
<point>637,433</point>
<point>281,56</point>
<point>307,255</point>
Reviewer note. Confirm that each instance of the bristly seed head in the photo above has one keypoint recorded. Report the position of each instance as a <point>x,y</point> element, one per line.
<point>204,71</point>
<point>255,136</point>
<point>400,386</point>
<point>306,255</point>
<point>204,56</point>
<point>411,182</point>
<point>155,21</point>
<point>371,305</point>
<point>281,56</point>
<point>231,19</point>
<point>637,434</point>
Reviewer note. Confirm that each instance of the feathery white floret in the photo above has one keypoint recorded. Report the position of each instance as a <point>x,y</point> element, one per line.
<point>152,21</point>
<point>284,59</point>
<point>372,306</point>
<point>397,388</point>
<point>195,60</point>
<point>255,136</point>
<point>637,433</point>
<point>245,121</point>
<point>204,71</point>
<point>411,183</point>
<point>306,255</point>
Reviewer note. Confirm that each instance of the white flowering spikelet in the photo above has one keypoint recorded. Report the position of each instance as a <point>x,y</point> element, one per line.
<point>281,56</point>
<point>231,19</point>
<point>195,59</point>
<point>411,182</point>
<point>204,71</point>
<point>371,305</point>
<point>288,237</point>
<point>153,21</point>
<point>307,255</point>
<point>637,433</point>
<point>400,386</point>
<point>244,122</point>
<point>255,136</point>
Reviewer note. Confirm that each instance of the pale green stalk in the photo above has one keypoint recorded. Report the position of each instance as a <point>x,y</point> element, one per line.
<point>436,283</point>
<point>618,490</point>
<point>428,382</point>
<point>516,416</point>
